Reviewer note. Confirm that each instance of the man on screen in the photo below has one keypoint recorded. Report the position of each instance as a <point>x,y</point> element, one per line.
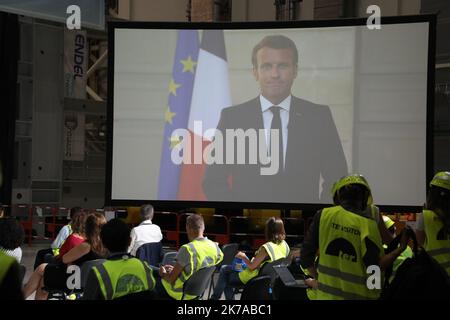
<point>310,150</point>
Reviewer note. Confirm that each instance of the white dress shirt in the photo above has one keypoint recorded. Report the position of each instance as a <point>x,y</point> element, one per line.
<point>285,106</point>
<point>146,232</point>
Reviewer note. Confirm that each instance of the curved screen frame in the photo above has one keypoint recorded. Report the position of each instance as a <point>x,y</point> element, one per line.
<point>179,204</point>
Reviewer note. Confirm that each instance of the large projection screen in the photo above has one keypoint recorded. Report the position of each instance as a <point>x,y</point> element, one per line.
<point>190,116</point>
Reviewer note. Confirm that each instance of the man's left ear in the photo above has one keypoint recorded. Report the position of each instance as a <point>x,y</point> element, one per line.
<point>255,73</point>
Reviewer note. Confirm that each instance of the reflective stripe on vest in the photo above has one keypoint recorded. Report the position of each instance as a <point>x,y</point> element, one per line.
<point>335,292</point>
<point>437,243</point>
<point>203,253</point>
<point>342,273</point>
<point>119,278</point>
<point>274,251</point>
<point>5,263</point>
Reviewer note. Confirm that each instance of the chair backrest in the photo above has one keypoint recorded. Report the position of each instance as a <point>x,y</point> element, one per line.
<point>229,251</point>
<point>150,252</point>
<point>197,283</point>
<point>268,270</point>
<point>169,258</point>
<point>86,268</point>
<point>257,289</point>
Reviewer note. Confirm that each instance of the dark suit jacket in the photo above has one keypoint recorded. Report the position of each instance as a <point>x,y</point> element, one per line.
<point>313,150</point>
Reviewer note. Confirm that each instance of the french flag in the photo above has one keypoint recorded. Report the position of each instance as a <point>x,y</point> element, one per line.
<point>211,93</point>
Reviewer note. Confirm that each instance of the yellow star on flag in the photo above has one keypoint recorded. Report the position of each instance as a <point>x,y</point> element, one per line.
<point>169,115</point>
<point>174,141</point>
<point>188,64</point>
<point>173,86</point>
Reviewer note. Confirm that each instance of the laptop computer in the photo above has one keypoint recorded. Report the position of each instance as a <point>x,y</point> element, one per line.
<point>287,278</point>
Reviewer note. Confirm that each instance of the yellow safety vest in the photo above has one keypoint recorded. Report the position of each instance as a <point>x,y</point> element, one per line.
<point>5,264</point>
<point>341,272</point>
<point>310,292</point>
<point>437,242</point>
<point>407,253</point>
<point>203,253</point>
<point>119,278</point>
<point>274,251</point>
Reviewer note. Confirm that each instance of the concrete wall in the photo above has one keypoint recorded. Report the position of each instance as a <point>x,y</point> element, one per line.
<point>390,7</point>
<point>158,10</point>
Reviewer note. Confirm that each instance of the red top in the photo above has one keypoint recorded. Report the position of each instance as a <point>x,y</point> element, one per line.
<point>71,242</point>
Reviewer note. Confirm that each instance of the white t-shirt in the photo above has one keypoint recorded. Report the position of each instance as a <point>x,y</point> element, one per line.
<point>16,253</point>
<point>146,232</point>
<point>63,234</point>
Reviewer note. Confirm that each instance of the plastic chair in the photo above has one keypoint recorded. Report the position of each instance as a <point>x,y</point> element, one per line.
<point>150,252</point>
<point>267,270</point>
<point>55,293</point>
<point>169,258</point>
<point>257,289</point>
<point>229,251</point>
<point>282,292</point>
<point>65,293</point>
<point>197,283</point>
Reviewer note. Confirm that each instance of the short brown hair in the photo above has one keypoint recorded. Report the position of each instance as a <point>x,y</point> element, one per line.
<point>275,230</point>
<point>275,42</point>
<point>195,222</point>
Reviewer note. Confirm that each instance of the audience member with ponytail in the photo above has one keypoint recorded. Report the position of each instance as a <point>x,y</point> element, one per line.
<point>275,248</point>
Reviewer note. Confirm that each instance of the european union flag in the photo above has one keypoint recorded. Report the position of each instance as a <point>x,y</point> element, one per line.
<point>178,109</point>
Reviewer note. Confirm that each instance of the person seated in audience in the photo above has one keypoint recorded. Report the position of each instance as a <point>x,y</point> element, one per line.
<point>199,253</point>
<point>146,232</point>
<point>275,248</point>
<point>121,275</point>
<point>433,223</point>
<point>76,237</point>
<point>47,255</point>
<point>11,238</point>
<point>55,275</point>
<point>10,283</point>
